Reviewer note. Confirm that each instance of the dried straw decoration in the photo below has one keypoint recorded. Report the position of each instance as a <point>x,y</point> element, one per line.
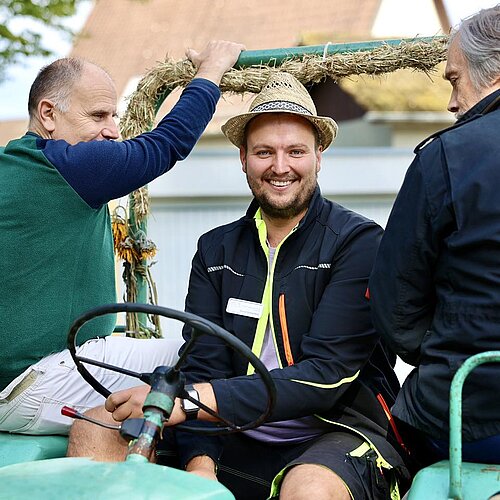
<point>168,75</point>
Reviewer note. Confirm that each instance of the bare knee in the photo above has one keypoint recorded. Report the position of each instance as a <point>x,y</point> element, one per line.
<point>90,440</point>
<point>303,480</point>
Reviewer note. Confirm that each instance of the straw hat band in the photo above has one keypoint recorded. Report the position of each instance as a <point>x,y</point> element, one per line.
<point>281,106</point>
<point>282,93</point>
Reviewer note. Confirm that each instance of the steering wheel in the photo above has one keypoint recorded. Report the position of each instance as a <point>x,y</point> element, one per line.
<point>200,326</point>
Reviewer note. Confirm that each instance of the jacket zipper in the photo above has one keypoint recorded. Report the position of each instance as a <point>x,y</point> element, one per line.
<point>284,330</point>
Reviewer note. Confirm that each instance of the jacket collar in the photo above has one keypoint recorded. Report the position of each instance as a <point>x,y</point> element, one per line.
<point>489,103</point>
<point>485,105</point>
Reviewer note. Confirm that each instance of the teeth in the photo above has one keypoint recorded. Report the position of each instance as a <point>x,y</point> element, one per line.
<point>280,183</point>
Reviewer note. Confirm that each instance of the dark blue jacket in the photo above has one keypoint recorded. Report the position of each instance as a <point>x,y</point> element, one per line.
<point>435,287</point>
<point>321,271</point>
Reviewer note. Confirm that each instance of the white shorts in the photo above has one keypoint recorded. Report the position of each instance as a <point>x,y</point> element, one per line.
<point>54,382</point>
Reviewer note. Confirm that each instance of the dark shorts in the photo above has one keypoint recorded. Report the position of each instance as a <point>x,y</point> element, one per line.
<point>247,467</point>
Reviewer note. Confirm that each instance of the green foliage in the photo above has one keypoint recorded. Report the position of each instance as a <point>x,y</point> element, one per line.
<point>21,22</point>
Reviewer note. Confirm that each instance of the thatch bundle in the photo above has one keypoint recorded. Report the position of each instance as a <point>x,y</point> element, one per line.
<point>168,75</point>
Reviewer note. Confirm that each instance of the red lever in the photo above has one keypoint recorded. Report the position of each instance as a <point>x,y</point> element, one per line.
<point>69,412</point>
<point>72,413</point>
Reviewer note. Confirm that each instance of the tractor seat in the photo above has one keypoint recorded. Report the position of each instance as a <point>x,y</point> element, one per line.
<point>454,479</point>
<point>478,481</point>
<point>18,448</point>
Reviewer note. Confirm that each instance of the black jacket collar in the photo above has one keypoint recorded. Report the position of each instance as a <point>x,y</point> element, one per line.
<point>484,106</point>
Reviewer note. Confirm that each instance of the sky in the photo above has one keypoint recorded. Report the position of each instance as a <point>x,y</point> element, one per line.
<point>14,90</point>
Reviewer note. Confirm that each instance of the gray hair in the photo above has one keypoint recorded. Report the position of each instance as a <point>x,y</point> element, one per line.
<point>480,43</point>
<point>55,82</point>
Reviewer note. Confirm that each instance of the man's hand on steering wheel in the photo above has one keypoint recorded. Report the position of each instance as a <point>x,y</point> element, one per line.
<point>128,403</point>
<point>168,382</point>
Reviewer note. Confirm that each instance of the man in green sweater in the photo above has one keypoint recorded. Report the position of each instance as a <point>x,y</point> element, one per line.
<point>56,244</point>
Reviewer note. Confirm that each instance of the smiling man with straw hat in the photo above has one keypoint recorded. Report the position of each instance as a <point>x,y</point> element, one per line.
<point>288,279</point>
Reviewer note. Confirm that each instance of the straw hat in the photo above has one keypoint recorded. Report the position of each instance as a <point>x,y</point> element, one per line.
<point>282,93</point>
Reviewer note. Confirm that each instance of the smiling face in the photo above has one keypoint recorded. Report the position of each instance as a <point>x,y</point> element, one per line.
<point>281,162</point>
<point>464,94</point>
<point>92,110</point>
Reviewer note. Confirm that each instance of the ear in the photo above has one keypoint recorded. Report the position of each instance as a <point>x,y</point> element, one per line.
<point>319,155</point>
<point>46,112</point>
<point>243,159</point>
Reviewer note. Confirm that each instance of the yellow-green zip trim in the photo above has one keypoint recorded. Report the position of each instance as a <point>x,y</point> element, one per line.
<point>381,461</point>
<point>260,331</point>
<point>267,312</point>
<point>346,380</point>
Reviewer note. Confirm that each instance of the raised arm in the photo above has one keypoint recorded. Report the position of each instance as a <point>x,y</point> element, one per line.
<point>100,171</point>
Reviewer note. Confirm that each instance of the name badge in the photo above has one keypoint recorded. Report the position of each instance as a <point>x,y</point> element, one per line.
<point>244,308</point>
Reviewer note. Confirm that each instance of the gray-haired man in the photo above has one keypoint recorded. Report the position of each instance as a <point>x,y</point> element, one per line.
<point>435,287</point>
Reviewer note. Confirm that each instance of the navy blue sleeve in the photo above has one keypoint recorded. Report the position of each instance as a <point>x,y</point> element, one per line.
<point>100,171</point>
<point>402,295</point>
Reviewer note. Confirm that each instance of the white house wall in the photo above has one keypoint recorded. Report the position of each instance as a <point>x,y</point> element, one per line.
<point>406,19</point>
<point>216,173</point>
